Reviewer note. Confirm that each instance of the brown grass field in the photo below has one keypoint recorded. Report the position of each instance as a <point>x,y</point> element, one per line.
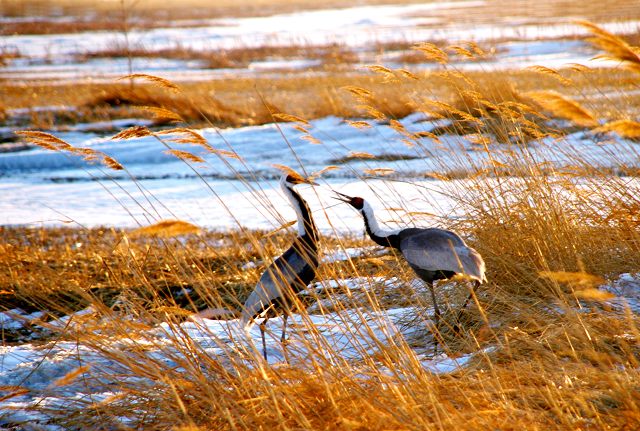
<point>550,352</point>
<point>248,101</point>
<point>154,13</point>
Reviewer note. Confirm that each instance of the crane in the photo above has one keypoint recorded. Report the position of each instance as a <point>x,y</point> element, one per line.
<point>276,291</point>
<point>433,254</point>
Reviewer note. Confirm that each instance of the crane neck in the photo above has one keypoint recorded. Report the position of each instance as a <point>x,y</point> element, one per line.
<point>383,237</point>
<point>306,226</point>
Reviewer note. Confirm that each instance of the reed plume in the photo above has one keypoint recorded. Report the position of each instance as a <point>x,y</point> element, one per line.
<point>615,47</point>
<point>563,107</point>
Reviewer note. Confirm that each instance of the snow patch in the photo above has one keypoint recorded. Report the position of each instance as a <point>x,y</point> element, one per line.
<point>627,290</point>
<point>345,254</point>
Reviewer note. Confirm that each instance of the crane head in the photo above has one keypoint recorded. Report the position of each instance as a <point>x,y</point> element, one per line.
<point>294,178</point>
<point>356,202</point>
<point>290,177</point>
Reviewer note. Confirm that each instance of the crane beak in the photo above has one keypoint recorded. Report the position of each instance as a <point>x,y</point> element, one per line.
<point>342,197</point>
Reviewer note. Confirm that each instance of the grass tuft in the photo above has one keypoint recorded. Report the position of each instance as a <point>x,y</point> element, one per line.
<point>166,229</point>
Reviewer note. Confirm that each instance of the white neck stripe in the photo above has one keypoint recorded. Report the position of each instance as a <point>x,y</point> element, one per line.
<point>296,206</point>
<point>367,211</point>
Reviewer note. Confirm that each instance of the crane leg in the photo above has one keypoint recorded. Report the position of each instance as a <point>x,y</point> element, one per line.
<point>283,337</point>
<point>436,332</point>
<point>284,327</point>
<point>435,304</point>
<point>263,327</point>
<point>471,294</point>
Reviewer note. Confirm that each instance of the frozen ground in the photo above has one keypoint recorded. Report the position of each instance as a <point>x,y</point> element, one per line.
<point>348,335</point>
<point>28,372</point>
<point>40,187</point>
<point>64,56</point>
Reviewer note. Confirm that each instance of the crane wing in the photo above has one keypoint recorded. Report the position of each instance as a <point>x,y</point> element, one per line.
<point>289,273</point>
<point>441,250</point>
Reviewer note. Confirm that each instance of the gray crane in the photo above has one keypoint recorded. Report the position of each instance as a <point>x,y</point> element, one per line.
<point>290,273</point>
<point>434,254</point>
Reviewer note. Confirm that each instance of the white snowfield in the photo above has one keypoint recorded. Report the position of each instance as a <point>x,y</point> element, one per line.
<point>40,187</point>
<point>346,336</point>
<point>350,335</point>
<point>359,28</point>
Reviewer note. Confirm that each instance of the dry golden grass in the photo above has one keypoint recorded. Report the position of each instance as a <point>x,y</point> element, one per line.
<point>488,108</point>
<point>240,57</point>
<point>628,129</point>
<point>549,365</point>
<point>232,102</point>
<point>545,370</point>
<point>64,270</point>
<point>166,229</point>
<point>543,220</point>
<point>155,13</point>
<point>562,107</point>
<point>614,47</point>
<point>238,101</point>
<point>549,352</point>
<point>521,395</point>
<point>243,101</point>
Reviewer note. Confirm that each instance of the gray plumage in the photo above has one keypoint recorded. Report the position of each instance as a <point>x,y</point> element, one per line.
<point>435,249</point>
<point>290,273</point>
<point>433,254</point>
<point>286,276</point>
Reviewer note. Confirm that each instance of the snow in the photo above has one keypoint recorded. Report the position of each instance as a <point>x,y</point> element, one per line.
<point>444,364</point>
<point>14,356</point>
<point>365,24</point>
<point>60,56</point>
<point>105,68</point>
<point>626,287</point>
<point>123,204</point>
<point>345,254</point>
<point>350,335</point>
<point>16,318</point>
<point>342,334</point>
<point>41,187</point>
<point>33,190</point>
<point>283,64</point>
<point>107,126</point>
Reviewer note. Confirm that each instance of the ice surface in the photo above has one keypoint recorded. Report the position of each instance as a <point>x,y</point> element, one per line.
<point>45,188</point>
<point>347,335</point>
<point>38,187</point>
<point>57,56</point>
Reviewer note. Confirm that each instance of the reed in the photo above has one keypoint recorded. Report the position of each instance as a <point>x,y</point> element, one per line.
<point>614,47</point>
<point>546,349</point>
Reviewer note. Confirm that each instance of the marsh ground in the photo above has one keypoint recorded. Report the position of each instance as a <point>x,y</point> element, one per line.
<point>535,166</point>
